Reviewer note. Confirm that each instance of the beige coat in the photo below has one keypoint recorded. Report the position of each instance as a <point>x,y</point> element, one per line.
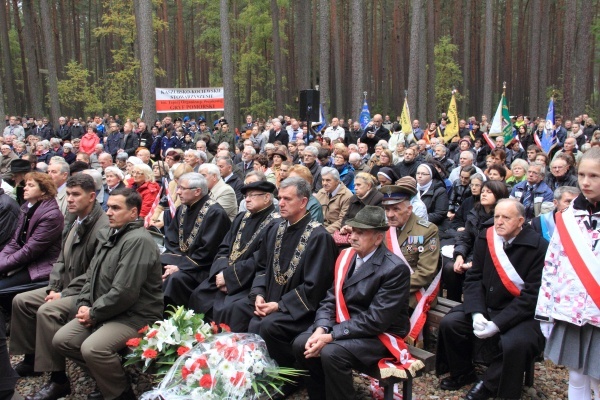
<point>335,208</point>
<point>224,194</point>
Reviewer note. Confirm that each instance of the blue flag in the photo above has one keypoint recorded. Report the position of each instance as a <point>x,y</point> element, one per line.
<point>548,139</point>
<point>365,115</point>
<point>322,120</point>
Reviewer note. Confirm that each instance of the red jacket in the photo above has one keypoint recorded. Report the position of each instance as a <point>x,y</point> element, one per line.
<point>148,191</point>
<point>88,143</point>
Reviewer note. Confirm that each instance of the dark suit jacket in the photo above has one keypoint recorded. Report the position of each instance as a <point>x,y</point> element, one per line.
<point>283,136</point>
<point>130,143</point>
<point>381,134</point>
<point>377,299</point>
<point>485,293</point>
<point>236,183</point>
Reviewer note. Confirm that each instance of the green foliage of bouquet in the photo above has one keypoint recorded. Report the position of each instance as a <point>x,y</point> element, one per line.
<point>167,340</point>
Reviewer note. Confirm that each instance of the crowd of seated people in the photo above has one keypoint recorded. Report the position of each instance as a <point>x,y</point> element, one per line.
<point>302,202</point>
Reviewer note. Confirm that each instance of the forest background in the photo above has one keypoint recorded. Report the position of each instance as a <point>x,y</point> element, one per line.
<point>85,57</point>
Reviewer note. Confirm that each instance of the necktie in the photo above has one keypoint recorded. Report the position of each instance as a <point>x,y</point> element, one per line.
<point>527,196</point>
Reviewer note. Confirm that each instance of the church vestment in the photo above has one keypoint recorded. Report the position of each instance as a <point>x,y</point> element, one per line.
<point>236,259</point>
<point>294,269</point>
<point>191,242</point>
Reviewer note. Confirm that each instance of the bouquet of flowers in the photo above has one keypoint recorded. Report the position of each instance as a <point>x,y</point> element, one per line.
<point>224,366</point>
<point>166,340</point>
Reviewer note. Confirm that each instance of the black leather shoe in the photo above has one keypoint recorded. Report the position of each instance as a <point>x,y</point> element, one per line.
<point>24,369</point>
<point>95,395</point>
<point>456,382</point>
<point>479,392</point>
<point>51,391</point>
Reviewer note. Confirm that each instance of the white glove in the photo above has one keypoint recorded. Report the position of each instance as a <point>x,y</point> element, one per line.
<point>479,322</point>
<point>490,330</point>
<point>546,328</point>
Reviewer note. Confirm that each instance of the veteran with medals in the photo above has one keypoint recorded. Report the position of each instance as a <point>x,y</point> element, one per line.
<point>294,271</point>
<point>191,239</point>
<point>414,240</point>
<point>223,296</point>
<point>361,322</point>
<point>500,294</point>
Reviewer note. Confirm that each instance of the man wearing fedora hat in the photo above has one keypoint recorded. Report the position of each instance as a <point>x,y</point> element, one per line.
<point>224,294</point>
<point>372,286</point>
<point>19,169</point>
<point>412,239</point>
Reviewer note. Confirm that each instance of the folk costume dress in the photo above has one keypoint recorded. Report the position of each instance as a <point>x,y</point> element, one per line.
<point>570,292</point>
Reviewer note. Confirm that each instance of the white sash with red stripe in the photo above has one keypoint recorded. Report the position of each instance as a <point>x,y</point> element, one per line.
<point>391,239</point>
<point>509,276</point>
<point>424,297</point>
<point>148,217</point>
<point>402,362</point>
<point>578,250</point>
<point>172,207</point>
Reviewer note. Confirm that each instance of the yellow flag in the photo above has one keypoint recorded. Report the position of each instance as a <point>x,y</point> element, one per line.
<point>452,126</point>
<point>405,119</point>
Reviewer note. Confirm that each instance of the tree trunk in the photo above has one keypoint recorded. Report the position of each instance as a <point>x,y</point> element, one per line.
<point>431,41</point>
<point>413,65</point>
<point>302,39</point>
<point>51,60</point>
<point>507,46</point>
<point>324,51</point>
<point>422,85</point>
<point>569,59</point>
<point>583,51</point>
<point>535,63</point>
<point>228,72</point>
<point>545,52</point>
<point>145,36</point>
<point>338,61</point>
<point>23,101</point>
<point>467,60</point>
<point>2,109</point>
<point>488,62</point>
<point>9,79</point>
<point>278,65</point>
<point>33,75</point>
<point>181,56</point>
<point>358,48</point>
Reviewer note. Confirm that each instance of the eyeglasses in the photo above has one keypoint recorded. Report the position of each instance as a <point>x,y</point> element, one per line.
<point>559,167</point>
<point>185,188</point>
<point>136,173</point>
<point>475,185</point>
<point>253,195</point>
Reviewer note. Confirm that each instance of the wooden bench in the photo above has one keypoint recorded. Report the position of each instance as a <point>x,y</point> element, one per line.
<point>388,384</point>
<point>434,317</point>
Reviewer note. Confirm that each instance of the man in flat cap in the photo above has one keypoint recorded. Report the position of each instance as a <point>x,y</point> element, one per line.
<point>223,296</point>
<point>412,239</point>
<point>364,314</point>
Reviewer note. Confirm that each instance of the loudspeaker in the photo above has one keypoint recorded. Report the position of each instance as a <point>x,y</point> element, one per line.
<point>309,105</point>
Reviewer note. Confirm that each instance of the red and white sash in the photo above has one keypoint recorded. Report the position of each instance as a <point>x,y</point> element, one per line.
<point>391,240</point>
<point>508,274</point>
<point>581,256</point>
<point>402,362</point>
<point>423,297</point>
<point>148,217</point>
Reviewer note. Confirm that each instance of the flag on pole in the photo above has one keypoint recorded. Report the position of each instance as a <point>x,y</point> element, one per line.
<point>365,115</point>
<point>548,139</point>
<point>501,125</point>
<point>451,128</point>
<point>318,126</point>
<point>405,118</point>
